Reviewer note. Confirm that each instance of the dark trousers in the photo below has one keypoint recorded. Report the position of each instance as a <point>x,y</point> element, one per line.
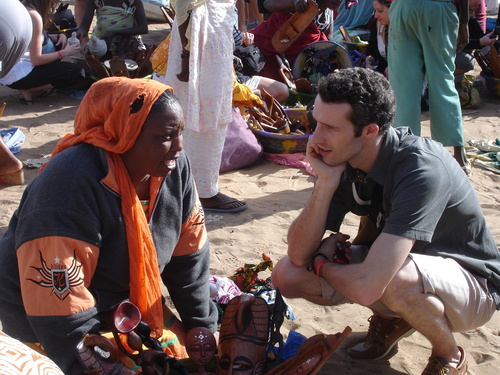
<point>60,74</point>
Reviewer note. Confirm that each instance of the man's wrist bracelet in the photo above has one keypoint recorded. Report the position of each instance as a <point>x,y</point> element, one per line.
<point>320,264</point>
<point>310,267</point>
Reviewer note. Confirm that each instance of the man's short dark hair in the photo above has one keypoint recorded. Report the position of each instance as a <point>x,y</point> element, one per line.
<point>368,92</point>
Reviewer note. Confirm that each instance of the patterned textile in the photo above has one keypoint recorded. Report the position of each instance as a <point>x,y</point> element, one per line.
<point>17,358</point>
<point>159,58</point>
<point>115,18</point>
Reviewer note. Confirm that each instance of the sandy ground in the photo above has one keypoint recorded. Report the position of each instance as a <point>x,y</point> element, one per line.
<point>275,195</point>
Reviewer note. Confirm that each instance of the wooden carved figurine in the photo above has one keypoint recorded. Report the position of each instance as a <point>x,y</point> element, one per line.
<point>201,347</point>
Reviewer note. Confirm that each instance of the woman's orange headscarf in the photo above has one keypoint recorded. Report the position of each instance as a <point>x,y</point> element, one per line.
<point>111,116</point>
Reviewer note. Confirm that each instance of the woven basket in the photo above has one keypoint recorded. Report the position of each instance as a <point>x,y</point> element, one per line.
<point>275,143</point>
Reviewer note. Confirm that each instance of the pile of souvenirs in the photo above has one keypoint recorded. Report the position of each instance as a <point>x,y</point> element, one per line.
<point>250,341</point>
<point>127,59</point>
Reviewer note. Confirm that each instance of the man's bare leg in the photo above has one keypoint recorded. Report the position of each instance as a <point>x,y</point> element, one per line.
<point>424,312</point>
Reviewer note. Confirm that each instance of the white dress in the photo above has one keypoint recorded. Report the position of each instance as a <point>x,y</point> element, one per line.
<point>207,98</point>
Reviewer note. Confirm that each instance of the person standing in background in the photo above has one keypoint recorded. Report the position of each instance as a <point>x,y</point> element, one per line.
<point>206,97</point>
<point>423,41</point>
<point>79,11</point>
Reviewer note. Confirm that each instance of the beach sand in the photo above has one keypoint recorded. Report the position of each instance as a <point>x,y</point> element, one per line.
<point>275,195</point>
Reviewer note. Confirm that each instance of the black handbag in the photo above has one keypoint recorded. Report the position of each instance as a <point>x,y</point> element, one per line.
<point>252,58</point>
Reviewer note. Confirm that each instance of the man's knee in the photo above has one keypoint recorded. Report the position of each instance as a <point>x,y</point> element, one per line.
<point>291,280</point>
<point>279,276</point>
<point>404,286</point>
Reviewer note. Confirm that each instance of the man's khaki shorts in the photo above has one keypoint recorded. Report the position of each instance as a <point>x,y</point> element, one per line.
<point>468,303</point>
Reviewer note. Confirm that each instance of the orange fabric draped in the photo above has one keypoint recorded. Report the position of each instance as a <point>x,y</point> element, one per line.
<point>111,116</point>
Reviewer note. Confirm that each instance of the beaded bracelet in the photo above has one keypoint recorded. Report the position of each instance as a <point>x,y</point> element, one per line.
<point>171,321</point>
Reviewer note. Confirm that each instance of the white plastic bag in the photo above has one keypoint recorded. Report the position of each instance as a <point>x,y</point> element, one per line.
<point>14,138</point>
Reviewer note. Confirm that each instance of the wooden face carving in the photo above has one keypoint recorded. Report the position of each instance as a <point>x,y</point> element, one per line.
<point>243,337</point>
<point>200,345</point>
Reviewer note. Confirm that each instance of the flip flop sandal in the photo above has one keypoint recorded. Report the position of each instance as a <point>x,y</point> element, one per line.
<point>14,178</point>
<point>24,101</point>
<point>49,92</point>
<point>229,210</point>
<point>230,200</point>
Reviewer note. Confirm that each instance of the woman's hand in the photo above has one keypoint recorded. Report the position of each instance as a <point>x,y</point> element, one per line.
<point>370,63</point>
<point>70,49</point>
<point>62,40</point>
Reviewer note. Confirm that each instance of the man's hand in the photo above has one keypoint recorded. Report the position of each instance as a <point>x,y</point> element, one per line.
<point>323,170</point>
<point>334,245</point>
<point>488,39</point>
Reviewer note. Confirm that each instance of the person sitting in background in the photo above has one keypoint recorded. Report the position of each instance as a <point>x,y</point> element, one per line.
<point>249,15</point>
<point>41,68</point>
<point>479,9</point>
<point>282,10</point>
<point>376,52</point>
<point>256,82</point>
<point>119,22</point>
<point>353,14</point>
<point>112,216</point>
<point>464,60</point>
<point>11,168</point>
<point>15,36</point>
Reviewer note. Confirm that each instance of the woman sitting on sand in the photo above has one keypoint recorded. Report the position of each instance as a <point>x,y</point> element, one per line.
<point>376,51</point>
<point>113,215</point>
<point>41,68</point>
<point>282,10</point>
<point>119,22</point>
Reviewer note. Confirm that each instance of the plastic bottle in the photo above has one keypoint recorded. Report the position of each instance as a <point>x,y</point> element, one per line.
<point>73,39</point>
<point>97,47</point>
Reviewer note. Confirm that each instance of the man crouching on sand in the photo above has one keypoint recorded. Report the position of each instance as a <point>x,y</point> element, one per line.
<point>434,266</point>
